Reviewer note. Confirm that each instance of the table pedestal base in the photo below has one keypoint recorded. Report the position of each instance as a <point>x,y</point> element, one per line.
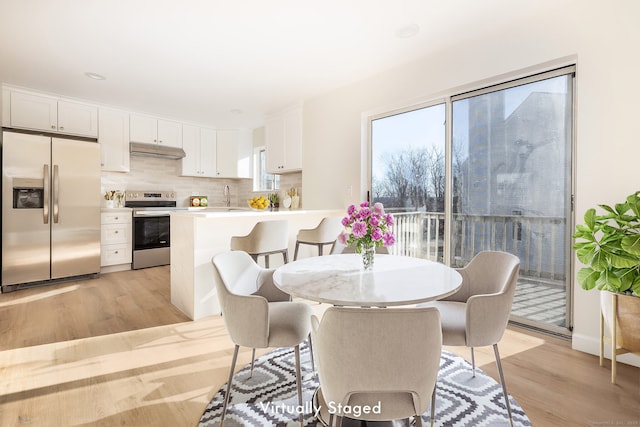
<point>323,417</point>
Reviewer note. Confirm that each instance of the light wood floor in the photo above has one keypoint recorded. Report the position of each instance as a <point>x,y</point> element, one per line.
<point>114,351</point>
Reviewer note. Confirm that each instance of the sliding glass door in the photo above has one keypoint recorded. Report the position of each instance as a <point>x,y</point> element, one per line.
<point>508,184</point>
<point>512,188</point>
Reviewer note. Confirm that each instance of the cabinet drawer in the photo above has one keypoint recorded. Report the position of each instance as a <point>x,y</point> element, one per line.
<point>115,254</point>
<point>116,234</point>
<point>116,217</point>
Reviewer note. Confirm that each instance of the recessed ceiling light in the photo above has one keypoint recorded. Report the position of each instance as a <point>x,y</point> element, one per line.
<point>95,76</point>
<point>407,31</point>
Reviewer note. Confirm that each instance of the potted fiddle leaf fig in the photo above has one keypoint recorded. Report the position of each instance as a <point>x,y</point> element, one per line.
<point>609,245</point>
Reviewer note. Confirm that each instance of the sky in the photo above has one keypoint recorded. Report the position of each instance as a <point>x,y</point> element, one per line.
<point>425,127</point>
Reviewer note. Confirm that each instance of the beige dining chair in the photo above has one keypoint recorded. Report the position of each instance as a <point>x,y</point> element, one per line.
<point>323,234</point>
<point>256,313</point>
<point>367,356</point>
<point>266,238</point>
<point>478,313</point>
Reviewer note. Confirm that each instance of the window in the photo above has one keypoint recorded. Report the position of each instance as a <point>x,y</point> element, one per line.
<point>408,177</point>
<point>263,181</point>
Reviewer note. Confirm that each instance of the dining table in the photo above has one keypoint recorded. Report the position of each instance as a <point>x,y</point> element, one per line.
<point>341,280</point>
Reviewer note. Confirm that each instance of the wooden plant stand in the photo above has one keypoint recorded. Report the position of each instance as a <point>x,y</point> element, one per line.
<point>615,335</point>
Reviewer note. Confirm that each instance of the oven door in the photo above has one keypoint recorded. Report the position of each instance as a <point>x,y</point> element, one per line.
<point>150,231</point>
<point>151,239</point>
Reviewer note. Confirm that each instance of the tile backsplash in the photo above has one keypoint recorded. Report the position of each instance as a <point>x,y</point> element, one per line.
<point>151,173</point>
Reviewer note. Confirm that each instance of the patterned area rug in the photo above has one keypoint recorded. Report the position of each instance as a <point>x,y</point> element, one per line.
<point>269,398</point>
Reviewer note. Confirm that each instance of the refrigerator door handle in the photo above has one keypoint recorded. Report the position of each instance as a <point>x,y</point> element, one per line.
<point>56,193</point>
<point>45,205</point>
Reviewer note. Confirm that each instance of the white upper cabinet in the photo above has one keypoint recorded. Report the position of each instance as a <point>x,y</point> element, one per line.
<point>283,133</point>
<point>234,151</point>
<point>208,151</point>
<point>152,130</point>
<point>52,114</point>
<point>199,145</point>
<point>214,153</point>
<point>77,118</point>
<point>113,136</point>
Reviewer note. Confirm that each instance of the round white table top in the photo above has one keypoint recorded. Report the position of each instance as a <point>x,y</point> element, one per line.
<point>341,280</point>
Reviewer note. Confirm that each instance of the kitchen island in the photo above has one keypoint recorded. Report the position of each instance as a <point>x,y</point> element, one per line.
<point>196,236</point>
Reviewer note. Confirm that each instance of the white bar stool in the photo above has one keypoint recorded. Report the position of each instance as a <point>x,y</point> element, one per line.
<point>266,238</point>
<point>324,233</point>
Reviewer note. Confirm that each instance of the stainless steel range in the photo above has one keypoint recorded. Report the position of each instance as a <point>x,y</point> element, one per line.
<point>151,231</point>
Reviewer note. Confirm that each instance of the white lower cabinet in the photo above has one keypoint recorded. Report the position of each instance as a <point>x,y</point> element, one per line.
<point>116,241</point>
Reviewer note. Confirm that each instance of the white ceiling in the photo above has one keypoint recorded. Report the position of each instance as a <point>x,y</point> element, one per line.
<point>197,60</point>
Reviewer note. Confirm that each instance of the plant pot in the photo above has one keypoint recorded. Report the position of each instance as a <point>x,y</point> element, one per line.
<point>627,319</point>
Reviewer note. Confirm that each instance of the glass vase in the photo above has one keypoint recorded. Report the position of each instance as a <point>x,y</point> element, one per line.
<point>368,255</point>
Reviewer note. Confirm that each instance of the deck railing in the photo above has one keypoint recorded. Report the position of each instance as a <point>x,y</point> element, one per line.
<point>539,242</point>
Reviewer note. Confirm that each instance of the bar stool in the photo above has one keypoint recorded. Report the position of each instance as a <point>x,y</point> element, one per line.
<point>325,233</point>
<point>266,238</point>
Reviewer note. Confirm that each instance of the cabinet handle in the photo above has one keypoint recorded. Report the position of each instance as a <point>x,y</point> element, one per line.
<point>116,231</point>
<point>116,218</point>
<point>61,127</point>
<point>53,126</point>
<point>115,252</point>
<point>155,140</point>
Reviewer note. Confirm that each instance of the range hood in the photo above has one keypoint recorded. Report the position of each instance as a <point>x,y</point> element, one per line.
<point>156,150</point>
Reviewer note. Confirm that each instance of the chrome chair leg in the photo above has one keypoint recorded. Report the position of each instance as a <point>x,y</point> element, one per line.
<point>299,382</point>
<point>253,359</point>
<point>504,386</point>
<point>433,405</point>
<point>473,362</point>
<point>313,364</point>
<point>226,397</point>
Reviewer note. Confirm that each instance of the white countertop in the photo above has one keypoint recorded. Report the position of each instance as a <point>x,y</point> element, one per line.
<point>225,212</point>
<point>115,209</point>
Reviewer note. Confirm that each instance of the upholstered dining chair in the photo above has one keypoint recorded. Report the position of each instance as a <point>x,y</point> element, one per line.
<point>266,238</point>
<point>478,313</point>
<point>367,356</point>
<point>323,234</point>
<point>256,313</point>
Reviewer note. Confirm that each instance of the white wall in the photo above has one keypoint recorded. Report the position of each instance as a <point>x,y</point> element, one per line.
<point>602,37</point>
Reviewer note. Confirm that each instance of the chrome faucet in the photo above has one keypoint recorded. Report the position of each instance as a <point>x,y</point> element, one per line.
<point>227,195</point>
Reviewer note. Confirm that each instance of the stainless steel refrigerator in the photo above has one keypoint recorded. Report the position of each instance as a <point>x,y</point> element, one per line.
<point>50,209</point>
